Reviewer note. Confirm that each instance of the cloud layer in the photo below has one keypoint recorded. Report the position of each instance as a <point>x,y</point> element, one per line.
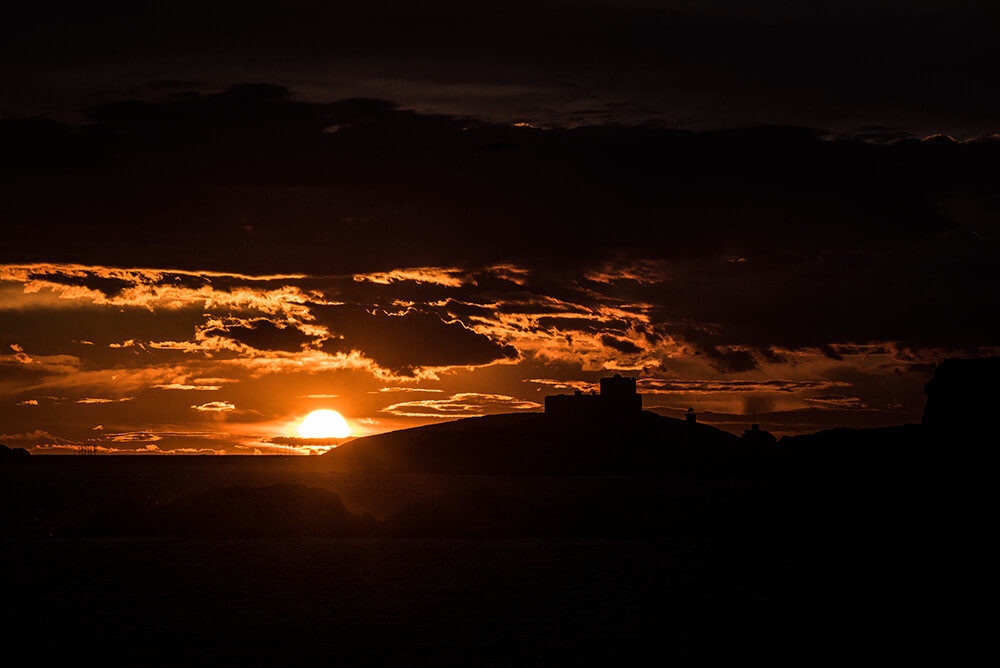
<point>210,267</point>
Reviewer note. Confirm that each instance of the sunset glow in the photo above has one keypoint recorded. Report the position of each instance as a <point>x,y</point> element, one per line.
<point>324,424</point>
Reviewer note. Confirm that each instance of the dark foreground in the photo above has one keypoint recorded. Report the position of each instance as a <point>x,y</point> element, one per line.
<point>805,567</point>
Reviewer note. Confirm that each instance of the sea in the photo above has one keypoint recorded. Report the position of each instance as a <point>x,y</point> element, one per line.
<point>681,600</point>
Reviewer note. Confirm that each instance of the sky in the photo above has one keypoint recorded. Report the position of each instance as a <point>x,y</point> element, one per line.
<point>221,216</point>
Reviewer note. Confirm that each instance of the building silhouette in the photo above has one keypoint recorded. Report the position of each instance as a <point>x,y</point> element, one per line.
<point>617,399</point>
<point>757,436</point>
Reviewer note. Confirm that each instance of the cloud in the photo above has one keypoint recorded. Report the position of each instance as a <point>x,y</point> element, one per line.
<point>440,276</point>
<point>614,63</point>
<point>102,400</point>
<point>132,437</point>
<point>464,404</point>
<point>410,340</point>
<point>730,359</point>
<point>161,441</point>
<point>215,407</point>
<point>38,438</point>
<point>408,390</point>
<point>576,385</point>
<point>72,286</point>
<point>688,217</point>
<point>678,386</point>
<point>21,368</point>
<point>254,236</point>
<point>622,270</point>
<point>264,334</point>
<point>76,380</point>
<point>837,401</point>
<point>621,345</point>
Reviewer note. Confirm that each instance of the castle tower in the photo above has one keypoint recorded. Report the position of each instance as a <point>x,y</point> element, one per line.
<point>618,399</point>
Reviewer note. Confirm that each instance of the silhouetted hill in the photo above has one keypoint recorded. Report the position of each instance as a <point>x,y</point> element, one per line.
<point>12,454</point>
<point>535,443</point>
<point>957,415</point>
<point>956,430</point>
<point>856,448</point>
<point>962,395</point>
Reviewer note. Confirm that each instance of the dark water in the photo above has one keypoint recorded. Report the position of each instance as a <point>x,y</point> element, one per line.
<point>709,600</point>
<point>47,494</point>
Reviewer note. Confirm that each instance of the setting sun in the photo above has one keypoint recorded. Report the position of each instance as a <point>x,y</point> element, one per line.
<point>324,424</point>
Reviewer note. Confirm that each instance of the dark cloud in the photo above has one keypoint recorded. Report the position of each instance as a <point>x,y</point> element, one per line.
<point>621,345</point>
<point>264,334</point>
<point>918,66</point>
<point>730,386</point>
<point>107,285</point>
<point>570,324</point>
<point>402,343</point>
<point>855,258</point>
<point>538,304</point>
<point>719,194</point>
<point>174,84</point>
<point>22,372</point>
<point>252,180</point>
<point>729,359</point>
<point>563,324</point>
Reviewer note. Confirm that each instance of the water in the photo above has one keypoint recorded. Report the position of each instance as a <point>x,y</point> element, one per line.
<point>709,600</point>
<point>497,601</point>
<point>48,493</point>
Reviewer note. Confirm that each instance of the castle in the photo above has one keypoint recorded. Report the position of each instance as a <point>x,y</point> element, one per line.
<point>617,399</point>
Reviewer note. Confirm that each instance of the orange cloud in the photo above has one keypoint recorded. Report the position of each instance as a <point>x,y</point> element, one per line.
<point>383,390</point>
<point>464,404</point>
<point>52,285</point>
<point>638,271</point>
<point>215,407</point>
<point>94,400</point>
<point>450,277</point>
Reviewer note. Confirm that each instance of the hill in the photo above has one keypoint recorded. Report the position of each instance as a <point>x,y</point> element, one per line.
<point>540,444</point>
<point>12,454</point>
<point>957,429</point>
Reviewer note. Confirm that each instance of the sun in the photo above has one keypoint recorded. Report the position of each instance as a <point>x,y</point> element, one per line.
<point>324,424</point>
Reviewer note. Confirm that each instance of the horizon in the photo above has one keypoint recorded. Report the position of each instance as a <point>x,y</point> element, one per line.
<point>317,444</point>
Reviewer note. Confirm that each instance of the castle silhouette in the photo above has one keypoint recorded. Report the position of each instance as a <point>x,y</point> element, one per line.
<point>617,399</point>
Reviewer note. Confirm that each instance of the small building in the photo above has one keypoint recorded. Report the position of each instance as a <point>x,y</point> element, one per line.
<point>757,436</point>
<point>617,399</point>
